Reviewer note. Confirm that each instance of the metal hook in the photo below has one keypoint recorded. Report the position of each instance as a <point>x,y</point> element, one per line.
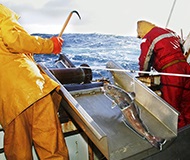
<point>67,21</point>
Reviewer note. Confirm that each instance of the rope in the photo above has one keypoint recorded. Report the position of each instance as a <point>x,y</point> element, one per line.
<point>170,13</point>
<point>134,71</point>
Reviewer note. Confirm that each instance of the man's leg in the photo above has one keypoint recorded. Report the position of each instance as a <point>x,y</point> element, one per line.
<point>46,132</point>
<point>17,139</point>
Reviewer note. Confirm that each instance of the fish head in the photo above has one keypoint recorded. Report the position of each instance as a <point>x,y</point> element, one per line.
<point>116,92</point>
<point>108,88</point>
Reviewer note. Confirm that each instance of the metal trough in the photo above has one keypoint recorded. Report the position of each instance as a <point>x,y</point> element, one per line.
<point>103,125</point>
<point>155,105</point>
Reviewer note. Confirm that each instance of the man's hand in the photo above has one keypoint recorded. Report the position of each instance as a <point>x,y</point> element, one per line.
<point>57,44</point>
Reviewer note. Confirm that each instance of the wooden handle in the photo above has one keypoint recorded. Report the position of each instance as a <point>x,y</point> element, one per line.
<point>67,21</point>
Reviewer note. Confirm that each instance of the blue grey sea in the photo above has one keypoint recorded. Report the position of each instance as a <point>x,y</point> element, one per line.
<point>96,50</point>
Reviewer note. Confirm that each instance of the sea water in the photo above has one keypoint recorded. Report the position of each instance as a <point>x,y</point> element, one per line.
<point>96,50</point>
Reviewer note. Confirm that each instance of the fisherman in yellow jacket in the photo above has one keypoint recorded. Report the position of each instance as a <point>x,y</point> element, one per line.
<point>28,97</point>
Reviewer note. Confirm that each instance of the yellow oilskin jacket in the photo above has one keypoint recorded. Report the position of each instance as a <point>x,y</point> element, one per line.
<point>21,81</point>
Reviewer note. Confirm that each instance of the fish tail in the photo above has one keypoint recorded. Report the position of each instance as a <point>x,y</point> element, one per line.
<point>155,141</point>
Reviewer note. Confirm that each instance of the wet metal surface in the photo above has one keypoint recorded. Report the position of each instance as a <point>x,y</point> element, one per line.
<point>122,141</point>
<point>103,124</point>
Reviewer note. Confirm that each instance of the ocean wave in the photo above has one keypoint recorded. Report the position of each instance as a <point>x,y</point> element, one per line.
<point>96,50</point>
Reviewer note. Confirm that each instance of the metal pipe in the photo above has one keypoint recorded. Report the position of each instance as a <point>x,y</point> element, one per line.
<point>72,75</point>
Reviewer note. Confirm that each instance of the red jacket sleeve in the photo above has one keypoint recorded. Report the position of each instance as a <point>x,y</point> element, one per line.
<point>144,50</point>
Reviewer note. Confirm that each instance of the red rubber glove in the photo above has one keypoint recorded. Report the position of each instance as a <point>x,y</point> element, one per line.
<point>57,44</point>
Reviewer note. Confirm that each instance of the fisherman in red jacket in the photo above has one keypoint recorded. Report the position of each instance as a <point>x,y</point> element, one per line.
<point>161,49</point>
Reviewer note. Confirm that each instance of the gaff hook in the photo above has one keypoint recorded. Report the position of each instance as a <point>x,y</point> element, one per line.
<point>67,21</point>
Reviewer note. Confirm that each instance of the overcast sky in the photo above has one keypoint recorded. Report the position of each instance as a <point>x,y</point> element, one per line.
<point>100,16</point>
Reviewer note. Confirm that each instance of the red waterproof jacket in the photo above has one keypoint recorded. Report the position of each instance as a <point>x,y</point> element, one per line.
<point>159,47</point>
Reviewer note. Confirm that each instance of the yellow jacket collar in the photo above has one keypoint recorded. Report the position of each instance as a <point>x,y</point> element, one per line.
<point>6,13</point>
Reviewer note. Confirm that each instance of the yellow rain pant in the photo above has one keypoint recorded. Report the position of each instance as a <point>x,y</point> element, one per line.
<point>37,125</point>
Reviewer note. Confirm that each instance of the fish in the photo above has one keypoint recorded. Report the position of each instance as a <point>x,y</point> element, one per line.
<point>131,113</point>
